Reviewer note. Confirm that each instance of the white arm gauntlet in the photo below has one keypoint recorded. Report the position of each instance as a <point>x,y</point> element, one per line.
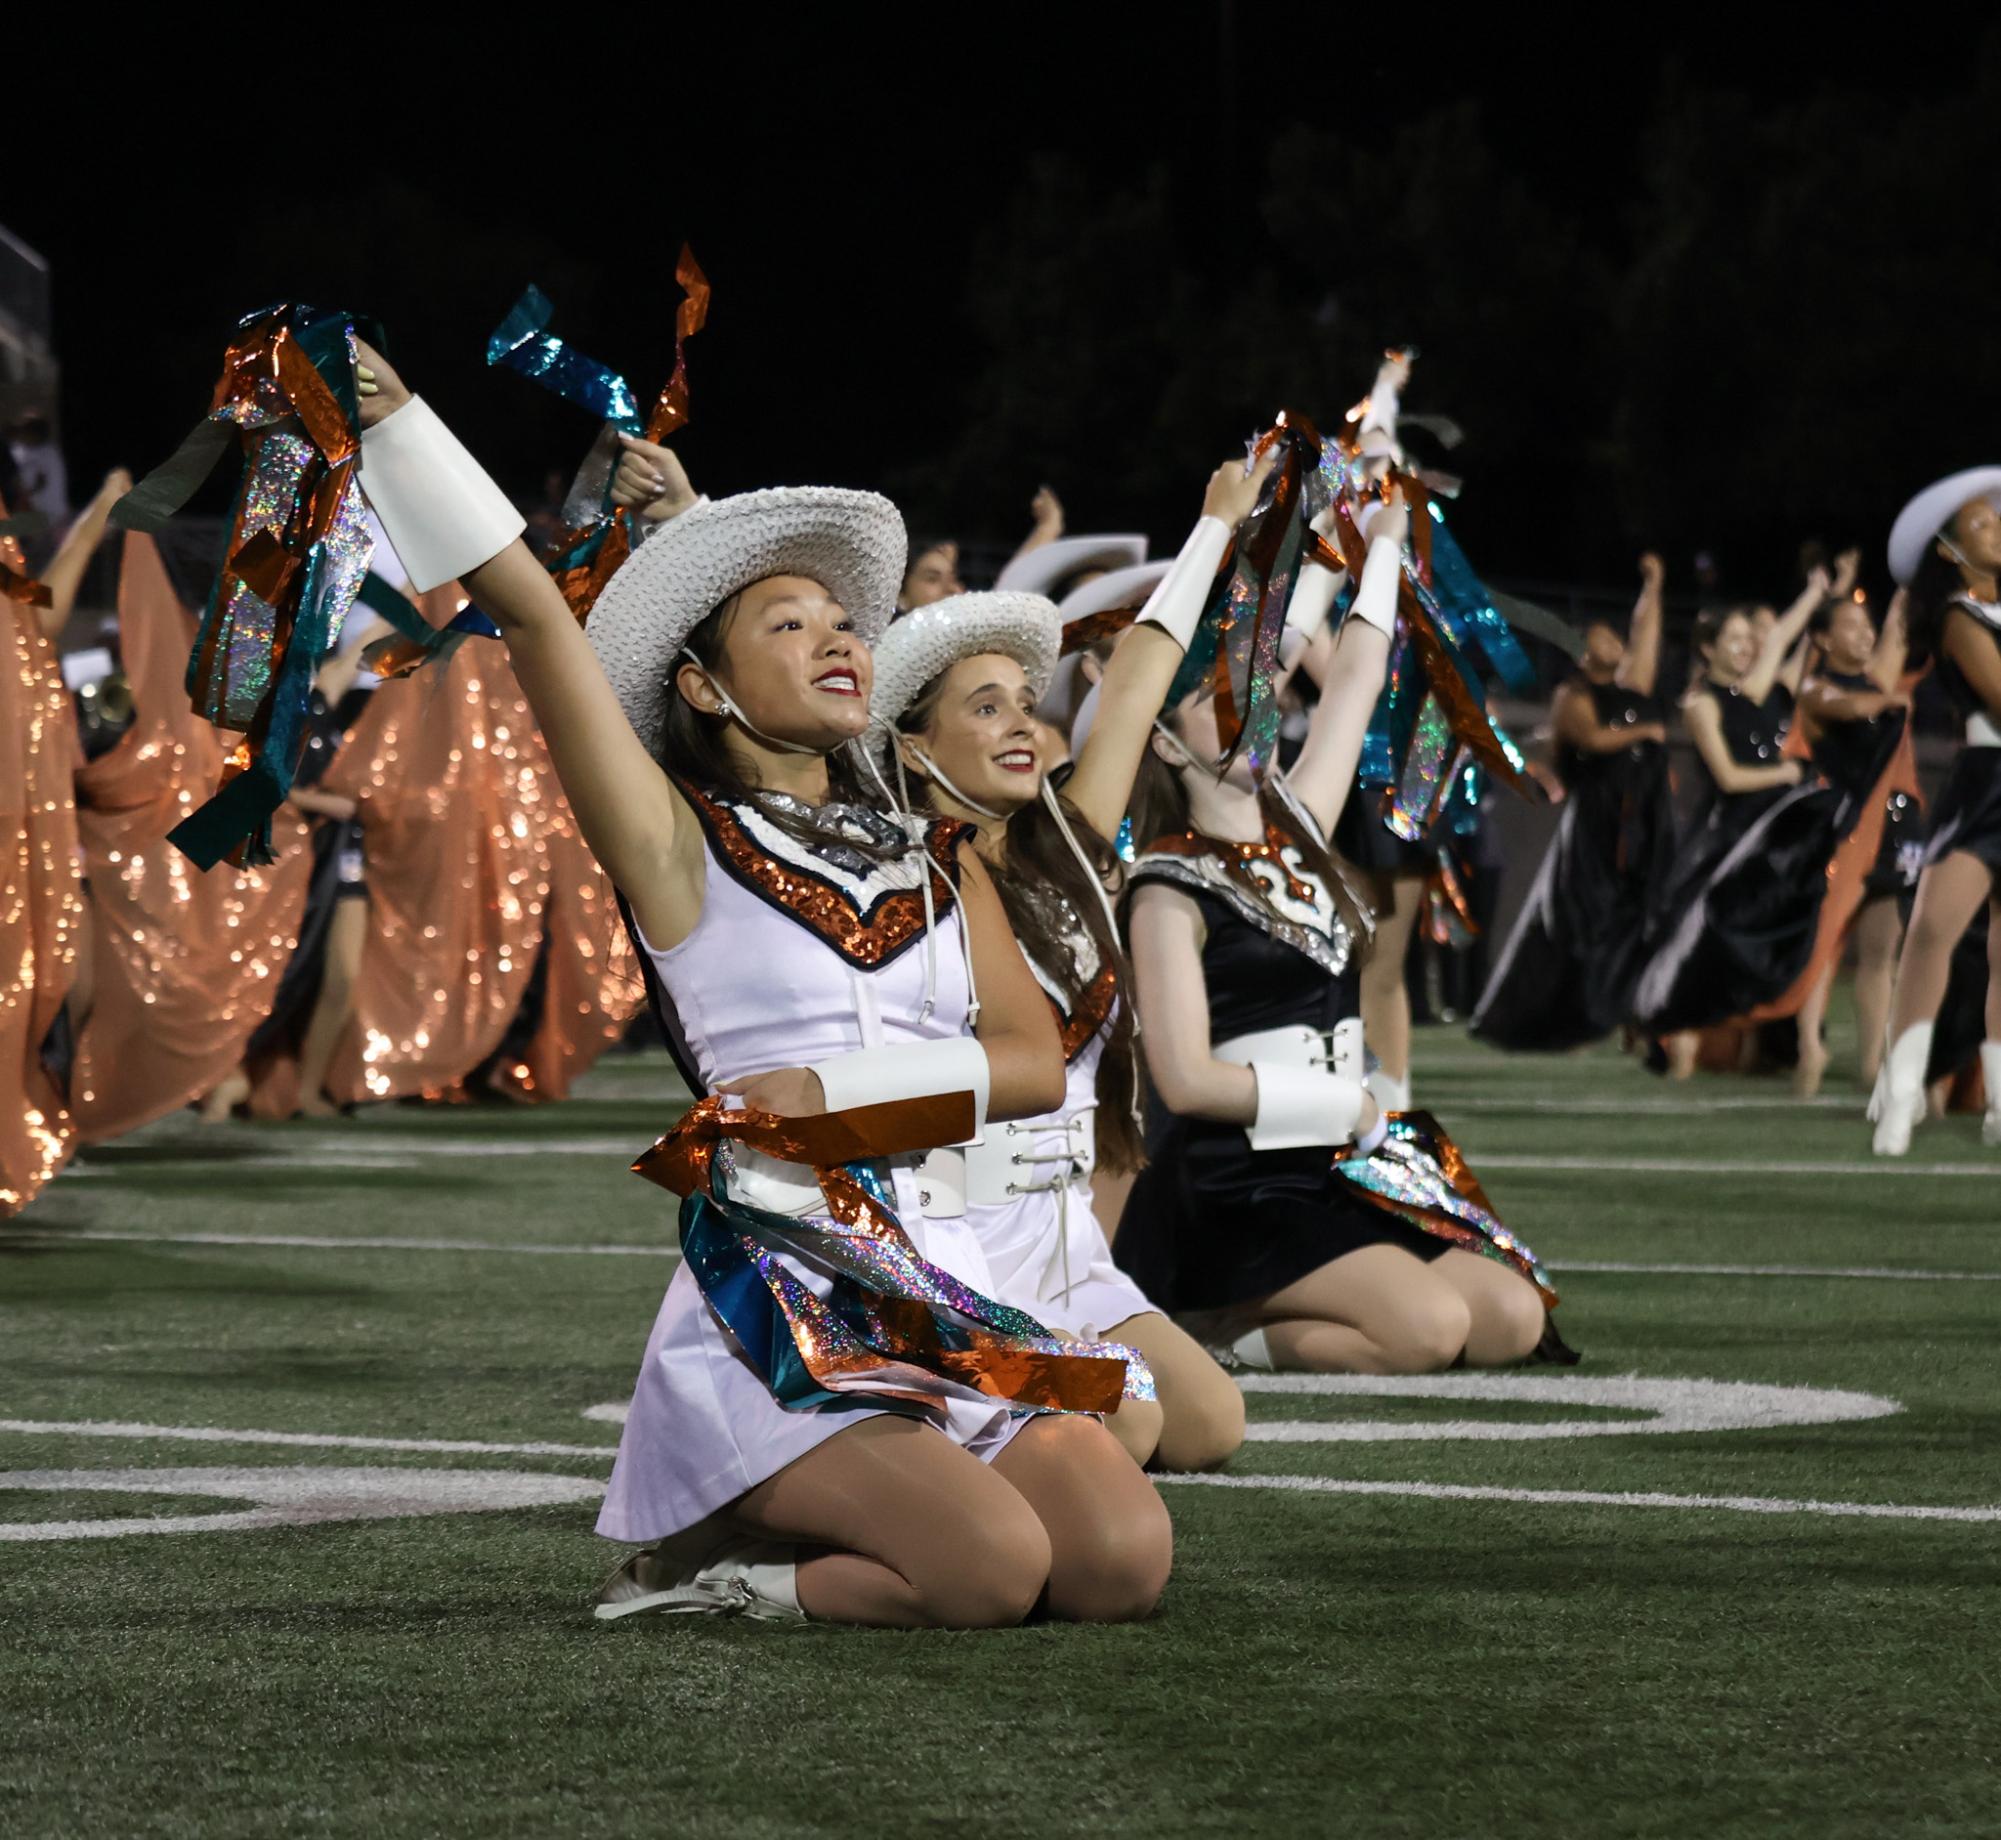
<point>1313,594</point>
<point>913,1070</point>
<point>1376,599</point>
<point>443,515</point>
<point>1175,606</point>
<point>1302,1107</point>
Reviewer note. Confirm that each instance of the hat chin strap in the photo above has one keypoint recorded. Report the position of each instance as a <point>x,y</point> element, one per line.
<point>737,716</point>
<point>937,772</point>
<point>1187,753</point>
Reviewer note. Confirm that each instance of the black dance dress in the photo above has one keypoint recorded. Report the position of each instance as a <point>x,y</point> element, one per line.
<point>1850,756</point>
<point>1967,815</point>
<point>1738,920</point>
<point>337,876</point>
<point>1566,974</point>
<point>1212,1223</point>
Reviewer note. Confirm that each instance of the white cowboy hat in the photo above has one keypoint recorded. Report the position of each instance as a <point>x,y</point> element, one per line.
<point>851,543</point>
<point>1930,512</point>
<point>931,639</point>
<point>1126,587</point>
<point>1046,568</point>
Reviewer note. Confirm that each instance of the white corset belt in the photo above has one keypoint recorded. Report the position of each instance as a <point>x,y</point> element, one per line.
<point>1031,1156</point>
<point>1982,730</point>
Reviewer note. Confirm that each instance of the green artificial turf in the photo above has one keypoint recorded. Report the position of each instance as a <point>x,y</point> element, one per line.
<point>1325,1663</point>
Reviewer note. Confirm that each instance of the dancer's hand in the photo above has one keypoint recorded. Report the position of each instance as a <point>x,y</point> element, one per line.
<point>1391,520</point>
<point>116,484</point>
<point>1232,493</point>
<point>382,392</point>
<point>1791,772</point>
<point>1819,583</point>
<point>1653,572</point>
<point>652,480</point>
<point>791,1092</point>
<point>1847,566</point>
<point>1045,511</point>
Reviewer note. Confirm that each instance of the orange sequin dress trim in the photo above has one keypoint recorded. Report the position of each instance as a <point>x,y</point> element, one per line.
<point>865,937</point>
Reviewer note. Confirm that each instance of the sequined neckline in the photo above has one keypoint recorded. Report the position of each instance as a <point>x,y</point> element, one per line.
<point>1079,1022</point>
<point>867,909</point>
<point>1265,882</point>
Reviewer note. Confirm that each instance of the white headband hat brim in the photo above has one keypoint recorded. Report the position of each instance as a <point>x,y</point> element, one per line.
<point>931,639</point>
<point>1127,587</point>
<point>852,543</point>
<point>1920,522</point>
<point>1044,570</point>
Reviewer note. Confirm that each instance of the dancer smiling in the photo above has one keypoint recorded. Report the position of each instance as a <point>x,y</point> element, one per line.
<point>826,1421</point>
<point>1946,546</point>
<point>960,680</point>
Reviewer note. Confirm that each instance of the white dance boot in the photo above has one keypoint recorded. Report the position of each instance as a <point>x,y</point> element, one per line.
<point>750,1578</point>
<point>1990,1074</point>
<point>1897,1106</point>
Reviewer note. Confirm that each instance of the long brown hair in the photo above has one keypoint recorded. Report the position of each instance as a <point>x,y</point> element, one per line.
<point>693,748</point>
<point>1038,864</point>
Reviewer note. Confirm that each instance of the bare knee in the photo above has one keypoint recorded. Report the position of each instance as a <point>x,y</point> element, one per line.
<point>1113,1567</point>
<point>1204,1426</point>
<point>1430,1332</point>
<point>1510,1325</point>
<point>1137,1426</point>
<point>989,1577</point>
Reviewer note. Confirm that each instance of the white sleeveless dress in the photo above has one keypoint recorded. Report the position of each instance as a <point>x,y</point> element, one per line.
<point>1044,1247</point>
<point>795,958</point>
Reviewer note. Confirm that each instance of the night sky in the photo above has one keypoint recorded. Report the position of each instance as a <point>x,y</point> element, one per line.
<point>862,198</point>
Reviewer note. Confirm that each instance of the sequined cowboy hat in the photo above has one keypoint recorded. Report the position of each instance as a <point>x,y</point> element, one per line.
<point>851,543</point>
<point>1930,512</point>
<point>933,638</point>
<point>1044,570</point>
<point>1126,587</point>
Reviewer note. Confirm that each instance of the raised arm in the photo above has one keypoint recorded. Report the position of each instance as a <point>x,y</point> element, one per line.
<point>64,576</point>
<point>1773,654</point>
<point>1324,773</point>
<point>1045,512</point>
<point>1705,729</point>
<point>1016,1026</point>
<point>1143,664</point>
<point>636,824</point>
<point>1639,670</point>
<point>1892,655</point>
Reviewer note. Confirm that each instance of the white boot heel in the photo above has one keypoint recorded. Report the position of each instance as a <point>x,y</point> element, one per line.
<point>1990,1074</point>
<point>1897,1106</point>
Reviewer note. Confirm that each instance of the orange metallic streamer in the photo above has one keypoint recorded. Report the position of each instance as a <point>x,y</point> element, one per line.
<point>186,964</point>
<point>581,584</point>
<point>998,1365</point>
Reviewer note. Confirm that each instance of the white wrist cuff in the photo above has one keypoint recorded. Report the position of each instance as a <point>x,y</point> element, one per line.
<point>912,1070</point>
<point>1175,606</point>
<point>442,514</point>
<point>1376,599</point>
<point>1301,1107</point>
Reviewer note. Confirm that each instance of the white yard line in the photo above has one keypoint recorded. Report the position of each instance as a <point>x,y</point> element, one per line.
<point>1592,1498</point>
<point>1655,1107</point>
<point>1899,1273</point>
<point>1989,1171</point>
<point>336,1242</point>
<point>1316,1485</point>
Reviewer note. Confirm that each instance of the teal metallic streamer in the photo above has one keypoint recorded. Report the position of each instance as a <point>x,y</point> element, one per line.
<point>733,1250</point>
<point>523,343</point>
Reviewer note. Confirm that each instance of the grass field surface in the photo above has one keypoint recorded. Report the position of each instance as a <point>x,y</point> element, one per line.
<point>301,1430</point>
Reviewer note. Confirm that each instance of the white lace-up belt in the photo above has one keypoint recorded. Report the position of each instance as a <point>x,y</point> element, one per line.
<point>1982,730</point>
<point>1031,1156</point>
<point>1293,1046</point>
<point>789,1188</point>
